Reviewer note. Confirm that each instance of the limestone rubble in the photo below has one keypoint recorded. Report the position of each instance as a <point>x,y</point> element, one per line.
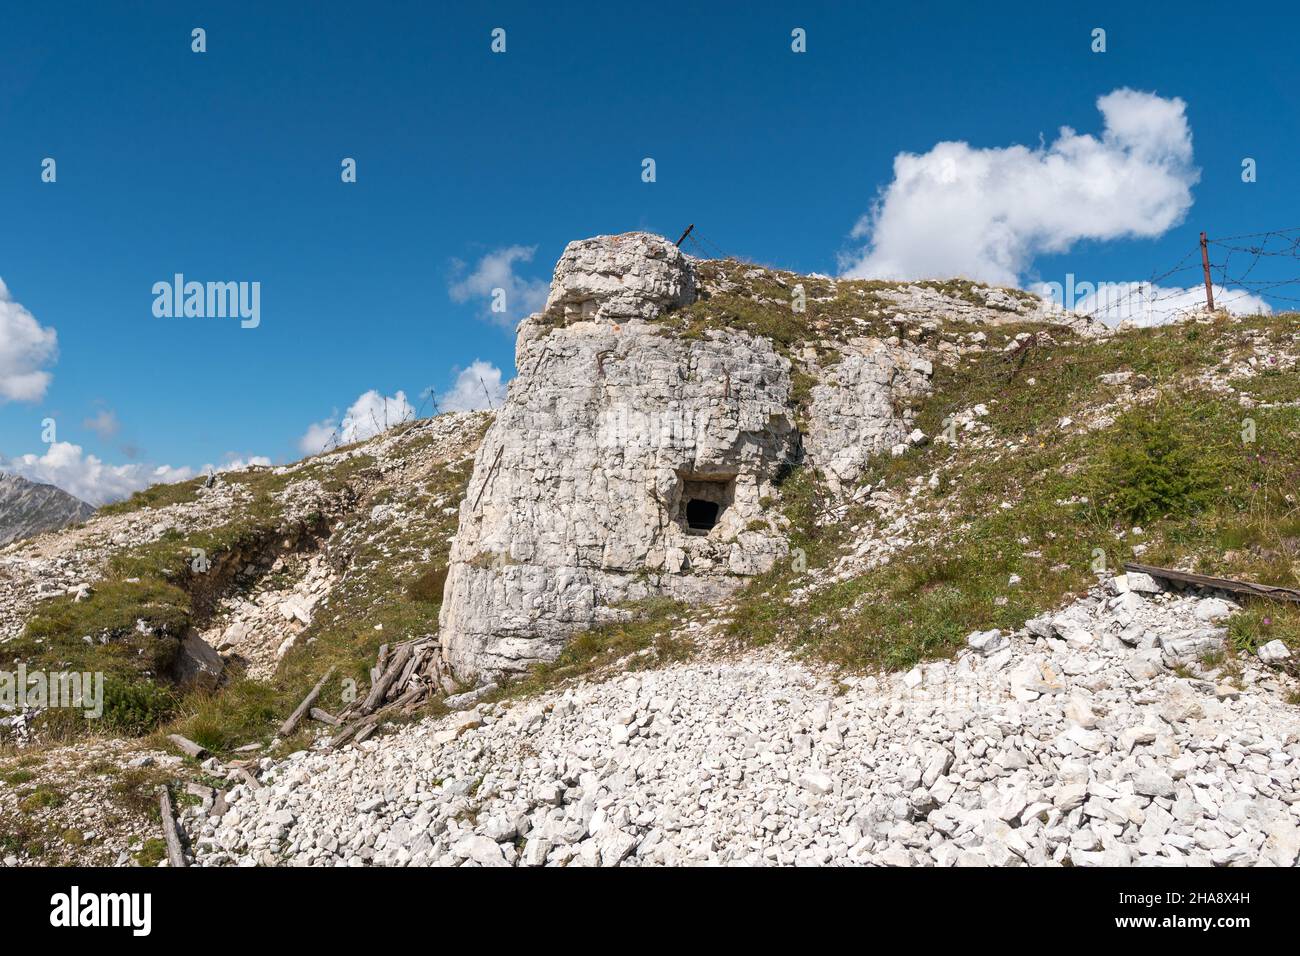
<point>1067,742</point>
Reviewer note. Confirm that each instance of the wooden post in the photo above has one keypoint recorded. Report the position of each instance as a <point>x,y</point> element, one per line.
<point>685,234</point>
<point>1205,264</point>
<point>288,726</point>
<point>171,834</point>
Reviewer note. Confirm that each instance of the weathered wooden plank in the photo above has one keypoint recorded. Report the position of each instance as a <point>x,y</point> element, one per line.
<point>1222,584</point>
<point>417,657</point>
<point>288,726</point>
<point>199,790</point>
<point>366,731</point>
<point>248,778</point>
<point>380,688</point>
<point>188,746</point>
<point>171,833</point>
<point>325,717</point>
<point>369,722</point>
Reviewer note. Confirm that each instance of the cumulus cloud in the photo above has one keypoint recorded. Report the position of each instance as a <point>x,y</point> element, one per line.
<point>475,388</point>
<point>986,213</point>
<point>26,347</point>
<point>96,482</point>
<point>104,424</point>
<point>235,463</point>
<point>1144,304</point>
<point>369,415</point>
<point>67,466</point>
<point>517,297</point>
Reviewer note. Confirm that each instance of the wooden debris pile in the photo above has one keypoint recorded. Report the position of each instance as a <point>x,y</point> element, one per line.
<point>405,677</point>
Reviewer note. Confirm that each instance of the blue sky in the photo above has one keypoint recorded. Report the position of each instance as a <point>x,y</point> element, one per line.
<point>225,166</point>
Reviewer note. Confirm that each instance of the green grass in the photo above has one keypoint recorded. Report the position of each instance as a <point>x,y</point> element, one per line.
<point>834,311</point>
<point>1263,621</point>
<point>152,853</point>
<point>389,584</point>
<point>131,625</point>
<point>42,798</point>
<point>1176,466</point>
<point>156,496</point>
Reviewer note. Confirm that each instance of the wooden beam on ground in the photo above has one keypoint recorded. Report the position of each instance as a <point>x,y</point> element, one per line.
<point>380,689</point>
<point>288,726</point>
<point>369,722</point>
<point>1289,595</point>
<point>187,746</point>
<point>324,716</point>
<point>171,833</point>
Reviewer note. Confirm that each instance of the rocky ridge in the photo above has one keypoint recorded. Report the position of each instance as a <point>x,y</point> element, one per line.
<point>633,456</point>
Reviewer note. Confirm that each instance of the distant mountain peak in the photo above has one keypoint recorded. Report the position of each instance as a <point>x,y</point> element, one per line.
<point>28,508</point>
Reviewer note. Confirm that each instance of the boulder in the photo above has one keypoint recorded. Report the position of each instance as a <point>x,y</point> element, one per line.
<point>197,664</point>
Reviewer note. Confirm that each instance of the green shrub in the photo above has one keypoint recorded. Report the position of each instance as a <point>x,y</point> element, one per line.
<point>241,712</point>
<point>1154,468</point>
<point>136,708</point>
<point>1262,621</point>
<point>152,853</point>
<point>42,798</point>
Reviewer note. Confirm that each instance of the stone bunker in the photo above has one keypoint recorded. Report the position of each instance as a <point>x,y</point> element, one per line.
<point>629,462</point>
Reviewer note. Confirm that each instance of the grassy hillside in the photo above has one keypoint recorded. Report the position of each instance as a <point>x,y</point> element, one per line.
<point>1179,443</point>
<point>130,625</point>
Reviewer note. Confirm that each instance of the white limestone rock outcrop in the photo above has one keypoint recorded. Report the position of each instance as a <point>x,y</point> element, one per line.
<point>618,278</point>
<point>625,463</point>
<point>635,457</point>
<point>852,414</point>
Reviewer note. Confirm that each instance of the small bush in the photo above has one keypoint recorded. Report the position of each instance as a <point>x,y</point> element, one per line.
<point>136,791</point>
<point>42,798</point>
<point>136,708</point>
<point>152,853</point>
<point>242,711</point>
<point>1154,469</point>
<point>1261,622</point>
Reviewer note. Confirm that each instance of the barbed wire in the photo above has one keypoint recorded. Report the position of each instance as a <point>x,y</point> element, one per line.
<point>1233,279</point>
<point>1274,244</point>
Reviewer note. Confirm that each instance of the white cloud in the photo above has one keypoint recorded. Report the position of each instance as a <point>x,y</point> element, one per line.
<point>986,213</point>
<point>104,424</point>
<point>475,388</point>
<point>494,271</point>
<point>89,478</point>
<point>1143,304</point>
<point>66,466</point>
<point>369,415</point>
<point>239,464</point>
<point>25,348</point>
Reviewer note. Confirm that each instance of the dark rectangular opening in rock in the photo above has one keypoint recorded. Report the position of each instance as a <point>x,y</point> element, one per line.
<point>702,502</point>
<point>701,515</point>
